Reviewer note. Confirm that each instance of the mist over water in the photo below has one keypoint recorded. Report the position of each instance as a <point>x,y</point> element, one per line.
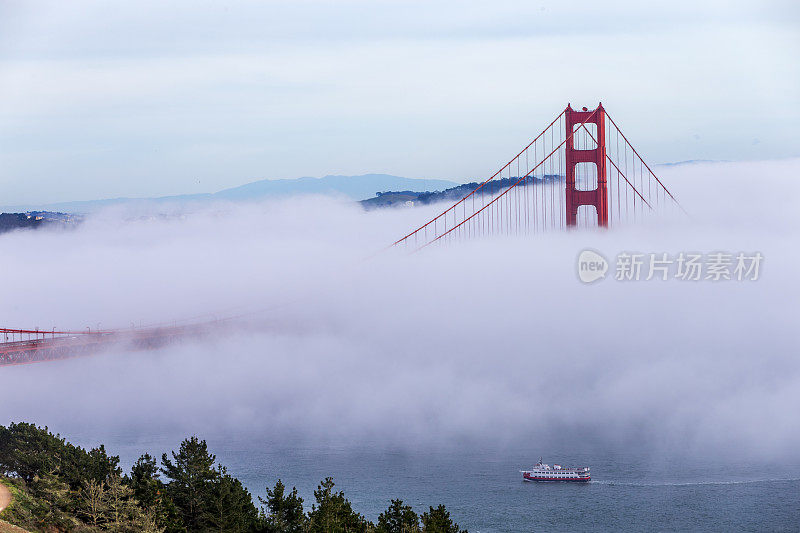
<point>491,345</point>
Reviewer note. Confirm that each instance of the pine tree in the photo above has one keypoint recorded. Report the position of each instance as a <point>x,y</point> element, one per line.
<point>333,513</point>
<point>438,521</point>
<point>398,518</point>
<point>54,498</point>
<point>123,509</point>
<point>191,475</point>
<point>229,506</point>
<point>144,481</point>
<point>94,504</point>
<point>150,492</point>
<point>283,514</point>
<point>146,521</point>
<point>28,451</point>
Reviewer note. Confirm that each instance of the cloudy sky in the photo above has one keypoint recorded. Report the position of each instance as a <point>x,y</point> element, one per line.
<point>103,99</point>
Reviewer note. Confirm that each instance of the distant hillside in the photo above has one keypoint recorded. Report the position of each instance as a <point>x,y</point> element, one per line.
<point>453,194</point>
<point>356,187</point>
<point>36,219</point>
<point>690,162</point>
<point>12,221</point>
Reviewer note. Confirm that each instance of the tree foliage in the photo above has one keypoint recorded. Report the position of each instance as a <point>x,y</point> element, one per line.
<point>283,514</point>
<point>144,481</point>
<point>229,506</point>
<point>398,518</point>
<point>61,487</point>
<point>206,497</point>
<point>93,502</point>
<point>438,521</point>
<point>333,513</point>
<point>27,451</point>
<point>190,474</point>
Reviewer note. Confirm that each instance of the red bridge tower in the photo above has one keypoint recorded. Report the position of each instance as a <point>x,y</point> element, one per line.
<point>597,197</point>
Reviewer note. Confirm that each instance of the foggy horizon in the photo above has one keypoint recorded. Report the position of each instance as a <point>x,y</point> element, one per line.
<point>460,344</point>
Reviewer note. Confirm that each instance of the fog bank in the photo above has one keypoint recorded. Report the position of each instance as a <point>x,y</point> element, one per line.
<point>492,343</point>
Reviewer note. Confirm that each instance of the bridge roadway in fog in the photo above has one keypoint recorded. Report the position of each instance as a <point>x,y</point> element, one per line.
<point>50,346</point>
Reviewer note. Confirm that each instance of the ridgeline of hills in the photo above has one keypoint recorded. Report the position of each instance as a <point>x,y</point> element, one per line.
<point>392,191</point>
<point>355,187</point>
<point>453,194</point>
<point>372,190</point>
<point>37,219</point>
<point>69,214</point>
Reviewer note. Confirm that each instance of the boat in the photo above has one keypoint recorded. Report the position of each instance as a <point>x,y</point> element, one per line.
<point>543,472</point>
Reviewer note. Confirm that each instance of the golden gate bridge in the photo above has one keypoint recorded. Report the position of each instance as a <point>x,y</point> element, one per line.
<point>580,171</point>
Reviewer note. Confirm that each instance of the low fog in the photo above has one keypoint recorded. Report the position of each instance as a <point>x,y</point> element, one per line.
<point>490,343</point>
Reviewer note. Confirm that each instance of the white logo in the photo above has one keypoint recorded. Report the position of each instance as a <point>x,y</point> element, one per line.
<point>591,266</point>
